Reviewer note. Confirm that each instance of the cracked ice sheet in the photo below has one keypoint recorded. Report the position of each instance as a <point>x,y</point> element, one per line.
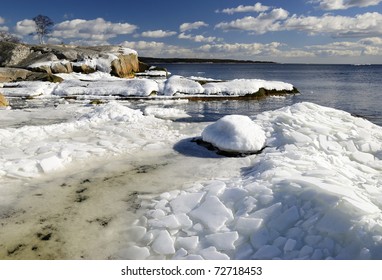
<point>307,196</point>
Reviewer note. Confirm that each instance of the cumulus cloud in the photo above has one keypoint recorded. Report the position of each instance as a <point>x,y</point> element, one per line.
<point>2,20</point>
<point>197,38</point>
<point>97,29</point>
<point>242,50</point>
<point>345,4</point>
<point>159,49</point>
<point>158,34</point>
<point>258,7</point>
<point>363,25</point>
<point>192,25</point>
<point>25,27</point>
<point>261,24</point>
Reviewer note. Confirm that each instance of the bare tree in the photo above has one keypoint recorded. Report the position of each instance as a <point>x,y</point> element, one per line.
<point>44,27</point>
<point>8,37</point>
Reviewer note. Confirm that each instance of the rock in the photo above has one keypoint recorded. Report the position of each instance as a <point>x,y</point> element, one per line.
<point>11,54</point>
<point>61,67</point>
<point>125,66</point>
<point>83,68</point>
<point>118,61</point>
<point>13,74</point>
<point>3,101</point>
<point>45,77</point>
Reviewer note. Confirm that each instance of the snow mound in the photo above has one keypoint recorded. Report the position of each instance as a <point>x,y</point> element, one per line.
<point>244,86</point>
<point>120,87</point>
<point>28,89</point>
<point>235,133</point>
<point>178,84</point>
<point>108,129</point>
<point>314,193</point>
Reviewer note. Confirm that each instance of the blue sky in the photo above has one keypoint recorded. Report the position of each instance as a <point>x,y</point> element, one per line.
<point>307,31</point>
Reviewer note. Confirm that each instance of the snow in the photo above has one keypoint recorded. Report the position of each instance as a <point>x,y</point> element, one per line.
<point>312,193</point>
<point>317,206</point>
<point>178,84</point>
<point>122,87</point>
<point>235,133</point>
<point>244,86</point>
<point>101,84</point>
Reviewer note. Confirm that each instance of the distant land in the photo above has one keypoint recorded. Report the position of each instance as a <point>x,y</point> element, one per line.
<point>154,60</point>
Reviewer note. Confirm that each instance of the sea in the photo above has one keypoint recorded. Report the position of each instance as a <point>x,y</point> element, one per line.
<point>356,89</point>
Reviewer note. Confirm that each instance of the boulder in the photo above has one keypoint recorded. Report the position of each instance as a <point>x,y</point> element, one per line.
<point>13,74</point>
<point>125,66</point>
<point>83,68</point>
<point>11,54</point>
<point>44,77</point>
<point>61,67</point>
<point>3,101</point>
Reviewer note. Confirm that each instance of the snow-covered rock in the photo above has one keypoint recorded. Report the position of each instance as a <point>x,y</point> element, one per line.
<point>235,133</point>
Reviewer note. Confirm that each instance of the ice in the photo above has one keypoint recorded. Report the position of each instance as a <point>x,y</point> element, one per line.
<point>266,252</point>
<point>163,243</point>
<point>212,213</point>
<point>235,133</point>
<point>286,220</point>
<point>166,113</point>
<point>246,226</point>
<point>188,243</point>
<point>211,253</point>
<point>313,193</point>
<point>50,164</point>
<point>223,241</point>
<point>186,202</point>
<point>134,253</point>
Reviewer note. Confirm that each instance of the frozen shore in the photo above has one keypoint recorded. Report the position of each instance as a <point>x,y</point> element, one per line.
<point>110,182</point>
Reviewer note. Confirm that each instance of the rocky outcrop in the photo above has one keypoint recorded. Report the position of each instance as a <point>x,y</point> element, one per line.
<point>13,74</point>
<point>53,59</point>
<point>8,75</point>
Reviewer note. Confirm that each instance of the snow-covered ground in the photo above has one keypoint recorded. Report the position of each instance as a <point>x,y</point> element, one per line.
<point>108,181</point>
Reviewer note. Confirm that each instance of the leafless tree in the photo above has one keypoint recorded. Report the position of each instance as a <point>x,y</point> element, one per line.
<point>44,26</point>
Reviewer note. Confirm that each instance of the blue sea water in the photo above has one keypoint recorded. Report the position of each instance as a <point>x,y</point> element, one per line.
<point>356,89</point>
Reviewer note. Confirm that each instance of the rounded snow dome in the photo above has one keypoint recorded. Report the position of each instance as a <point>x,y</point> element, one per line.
<point>235,133</point>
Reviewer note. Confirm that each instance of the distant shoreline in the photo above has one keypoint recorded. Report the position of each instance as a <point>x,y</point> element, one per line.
<point>154,60</point>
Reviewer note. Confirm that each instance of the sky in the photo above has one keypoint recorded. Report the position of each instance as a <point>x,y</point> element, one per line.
<point>285,31</point>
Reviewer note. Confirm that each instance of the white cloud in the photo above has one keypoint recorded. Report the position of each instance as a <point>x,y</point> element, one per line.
<point>363,25</point>
<point>197,38</point>
<point>241,50</point>
<point>2,20</point>
<point>159,49</point>
<point>158,34</point>
<point>25,27</point>
<point>192,25</point>
<point>258,7</point>
<point>345,4</point>
<point>261,24</point>
<point>97,29</point>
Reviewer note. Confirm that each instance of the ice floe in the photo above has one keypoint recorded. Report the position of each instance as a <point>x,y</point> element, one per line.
<point>314,193</point>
